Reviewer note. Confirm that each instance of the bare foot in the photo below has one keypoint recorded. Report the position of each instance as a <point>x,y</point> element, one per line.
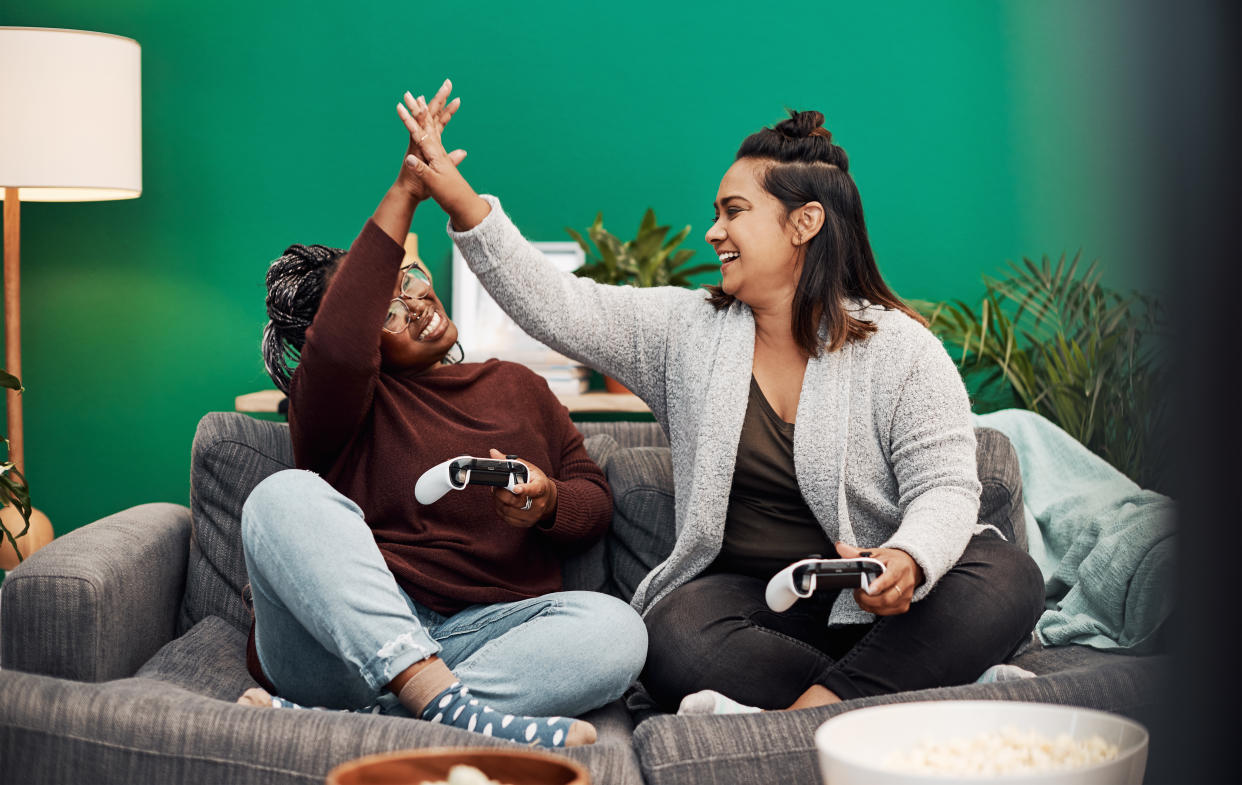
<point>580,733</point>
<point>256,696</point>
<point>815,695</point>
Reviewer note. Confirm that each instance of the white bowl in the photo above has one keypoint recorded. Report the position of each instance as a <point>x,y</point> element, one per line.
<point>855,748</point>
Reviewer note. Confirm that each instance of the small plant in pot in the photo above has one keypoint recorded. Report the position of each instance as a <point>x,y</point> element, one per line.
<point>647,260</point>
<point>18,520</point>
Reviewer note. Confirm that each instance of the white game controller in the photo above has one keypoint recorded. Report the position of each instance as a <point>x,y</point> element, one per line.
<point>800,579</point>
<point>456,473</point>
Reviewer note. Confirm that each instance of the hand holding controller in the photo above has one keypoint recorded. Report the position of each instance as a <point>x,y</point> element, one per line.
<point>802,578</point>
<point>456,473</point>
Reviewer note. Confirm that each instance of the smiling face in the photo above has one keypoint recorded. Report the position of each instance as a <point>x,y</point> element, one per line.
<point>760,259</point>
<point>426,340</point>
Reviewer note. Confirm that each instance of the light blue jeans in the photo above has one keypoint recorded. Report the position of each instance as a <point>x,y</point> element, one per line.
<point>333,627</point>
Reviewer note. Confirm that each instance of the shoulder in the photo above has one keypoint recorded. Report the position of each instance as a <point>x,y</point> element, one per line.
<point>897,333</point>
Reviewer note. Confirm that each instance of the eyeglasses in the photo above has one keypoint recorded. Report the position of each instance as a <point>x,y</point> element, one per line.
<point>415,285</point>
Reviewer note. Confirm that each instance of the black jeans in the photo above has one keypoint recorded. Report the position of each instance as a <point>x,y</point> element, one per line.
<point>716,632</point>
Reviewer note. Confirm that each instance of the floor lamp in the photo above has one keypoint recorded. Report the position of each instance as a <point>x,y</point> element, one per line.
<point>70,131</point>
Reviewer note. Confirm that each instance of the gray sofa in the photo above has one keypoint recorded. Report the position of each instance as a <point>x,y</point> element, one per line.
<point>123,646</point>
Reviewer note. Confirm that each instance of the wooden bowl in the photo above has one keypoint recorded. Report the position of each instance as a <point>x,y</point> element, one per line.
<point>414,767</point>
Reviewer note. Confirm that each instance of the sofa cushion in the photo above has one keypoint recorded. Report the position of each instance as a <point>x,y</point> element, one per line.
<point>231,454</point>
<point>143,731</point>
<point>779,746</point>
<point>587,570</point>
<point>210,660</point>
<point>1000,502</point>
<point>644,519</point>
<point>627,433</point>
<point>643,525</point>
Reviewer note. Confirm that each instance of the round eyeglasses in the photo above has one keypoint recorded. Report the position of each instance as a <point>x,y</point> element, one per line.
<point>415,285</point>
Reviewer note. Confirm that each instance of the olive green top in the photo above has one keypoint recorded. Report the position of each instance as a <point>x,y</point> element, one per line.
<point>768,524</point>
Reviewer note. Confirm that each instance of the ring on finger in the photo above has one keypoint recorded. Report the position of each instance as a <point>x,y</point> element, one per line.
<point>529,502</point>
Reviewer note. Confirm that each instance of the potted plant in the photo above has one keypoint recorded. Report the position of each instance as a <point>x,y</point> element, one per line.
<point>647,260</point>
<point>16,514</point>
<point>1062,344</point>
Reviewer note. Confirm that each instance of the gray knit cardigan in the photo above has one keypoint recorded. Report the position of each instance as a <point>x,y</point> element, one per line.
<point>884,450</point>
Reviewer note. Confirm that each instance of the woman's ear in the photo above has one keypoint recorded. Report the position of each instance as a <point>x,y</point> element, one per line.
<point>808,220</point>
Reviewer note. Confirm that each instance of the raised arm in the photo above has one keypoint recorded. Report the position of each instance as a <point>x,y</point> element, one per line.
<point>340,360</point>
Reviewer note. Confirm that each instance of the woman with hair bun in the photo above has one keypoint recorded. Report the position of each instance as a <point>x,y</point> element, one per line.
<point>809,411</point>
<point>363,598</point>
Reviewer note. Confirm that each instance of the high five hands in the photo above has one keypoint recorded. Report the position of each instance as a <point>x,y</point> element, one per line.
<point>434,116</point>
<point>426,163</point>
<point>891,593</point>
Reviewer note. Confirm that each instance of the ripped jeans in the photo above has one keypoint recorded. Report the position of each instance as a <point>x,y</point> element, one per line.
<point>333,627</point>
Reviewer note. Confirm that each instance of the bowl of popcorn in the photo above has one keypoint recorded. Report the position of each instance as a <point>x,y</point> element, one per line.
<point>460,766</point>
<point>981,742</point>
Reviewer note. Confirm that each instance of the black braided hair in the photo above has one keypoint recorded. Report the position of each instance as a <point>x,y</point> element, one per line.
<point>295,286</point>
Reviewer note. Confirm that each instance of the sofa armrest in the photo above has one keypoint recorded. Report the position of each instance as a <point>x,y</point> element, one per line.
<point>98,602</point>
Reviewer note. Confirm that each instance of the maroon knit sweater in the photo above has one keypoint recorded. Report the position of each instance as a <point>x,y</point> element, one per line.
<point>371,432</point>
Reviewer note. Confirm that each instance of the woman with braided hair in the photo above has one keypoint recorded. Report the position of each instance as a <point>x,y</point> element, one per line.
<point>809,412</point>
<point>365,599</point>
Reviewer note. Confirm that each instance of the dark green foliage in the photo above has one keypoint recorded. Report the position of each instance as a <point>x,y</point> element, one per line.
<point>647,260</point>
<point>13,489</point>
<point>1061,344</point>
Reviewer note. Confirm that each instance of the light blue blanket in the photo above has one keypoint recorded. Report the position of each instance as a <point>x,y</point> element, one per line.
<point>1105,545</point>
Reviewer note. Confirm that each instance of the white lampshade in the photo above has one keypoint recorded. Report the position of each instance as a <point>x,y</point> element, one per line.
<point>70,115</point>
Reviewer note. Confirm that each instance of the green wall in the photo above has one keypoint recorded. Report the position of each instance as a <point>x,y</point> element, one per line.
<point>978,132</point>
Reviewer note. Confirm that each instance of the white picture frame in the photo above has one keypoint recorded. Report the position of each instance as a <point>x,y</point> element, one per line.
<point>485,330</point>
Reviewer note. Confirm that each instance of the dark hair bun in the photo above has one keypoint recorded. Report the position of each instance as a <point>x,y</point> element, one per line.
<point>800,125</point>
<point>802,139</point>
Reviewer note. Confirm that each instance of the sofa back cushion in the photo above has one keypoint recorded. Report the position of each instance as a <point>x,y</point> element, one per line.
<point>231,454</point>
<point>643,519</point>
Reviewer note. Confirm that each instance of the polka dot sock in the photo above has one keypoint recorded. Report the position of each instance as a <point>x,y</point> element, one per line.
<point>457,708</point>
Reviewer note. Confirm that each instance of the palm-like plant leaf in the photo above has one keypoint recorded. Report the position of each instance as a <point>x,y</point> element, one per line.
<point>1066,346</point>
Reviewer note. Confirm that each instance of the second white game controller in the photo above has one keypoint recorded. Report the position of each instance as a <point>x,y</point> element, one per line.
<point>802,578</point>
<point>456,473</point>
